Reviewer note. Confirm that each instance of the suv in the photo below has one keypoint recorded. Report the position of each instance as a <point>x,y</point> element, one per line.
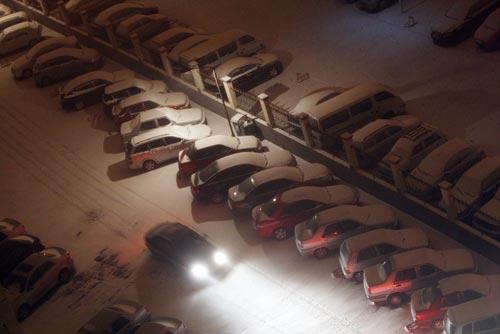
<point>392,280</point>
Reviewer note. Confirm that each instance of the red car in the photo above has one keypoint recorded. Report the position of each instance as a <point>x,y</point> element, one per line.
<point>487,36</point>
<point>206,150</point>
<point>10,228</point>
<point>277,217</point>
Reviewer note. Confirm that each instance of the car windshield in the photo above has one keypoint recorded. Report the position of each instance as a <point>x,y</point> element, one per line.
<point>384,270</point>
<point>429,295</point>
<point>135,122</point>
<point>207,172</point>
<point>15,283</point>
<point>246,186</point>
<point>270,207</point>
<point>312,224</point>
<point>458,10</point>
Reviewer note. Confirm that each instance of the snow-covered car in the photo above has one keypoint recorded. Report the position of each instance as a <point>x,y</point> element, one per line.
<point>4,10</point>
<point>277,217</point>
<point>392,280</point>
<point>487,36</point>
<point>160,117</point>
<point>414,146</point>
<point>64,63</point>
<point>429,305</point>
<point>376,138</point>
<point>12,19</point>
<point>144,26</point>
<point>186,45</point>
<point>127,108</point>
<point>122,317</point>
<point>262,186</point>
<point>204,151</point>
<point>477,185</point>
<point>159,145</point>
<point>313,99</point>
<point>87,89</point>
<point>22,67</point>
<point>185,248</point>
<point>20,35</point>
<point>10,228</point>
<point>246,72</point>
<point>14,250</point>
<point>213,181</point>
<point>327,229</point>
<point>461,19</point>
<point>445,163</point>
<point>33,278</point>
<point>168,39</point>
<point>115,14</point>
<point>487,218</point>
<point>163,325</point>
<point>367,249</point>
<point>480,314</point>
<point>73,8</point>
<point>373,6</point>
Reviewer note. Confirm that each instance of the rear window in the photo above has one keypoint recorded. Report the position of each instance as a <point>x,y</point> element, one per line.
<point>361,107</point>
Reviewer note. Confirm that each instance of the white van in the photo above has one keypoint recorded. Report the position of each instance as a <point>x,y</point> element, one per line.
<point>221,47</point>
<point>338,113</point>
<point>479,316</point>
<point>19,36</point>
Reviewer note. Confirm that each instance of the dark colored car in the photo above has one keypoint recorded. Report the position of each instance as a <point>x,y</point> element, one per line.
<point>374,6</point>
<point>14,250</point>
<point>461,20</point>
<point>487,36</point>
<point>10,228</point>
<point>186,249</point>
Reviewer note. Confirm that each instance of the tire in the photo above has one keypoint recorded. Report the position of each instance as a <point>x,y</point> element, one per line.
<point>395,300</point>
<point>438,324</point>
<point>217,198</point>
<point>27,73</point>
<point>321,253</point>
<point>46,81</point>
<point>64,276</point>
<point>281,233</point>
<point>149,165</point>
<point>23,312</point>
<point>358,276</point>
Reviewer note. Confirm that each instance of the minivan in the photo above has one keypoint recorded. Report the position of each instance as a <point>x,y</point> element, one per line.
<point>479,316</point>
<point>338,113</point>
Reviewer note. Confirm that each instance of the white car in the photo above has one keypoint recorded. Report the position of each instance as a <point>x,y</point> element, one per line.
<point>480,314</point>
<point>22,67</point>
<point>117,13</point>
<point>487,218</point>
<point>144,26</point>
<point>168,38</point>
<point>314,99</point>
<point>12,19</point>
<point>185,45</point>
<point>159,117</point>
<point>4,10</point>
<point>19,36</point>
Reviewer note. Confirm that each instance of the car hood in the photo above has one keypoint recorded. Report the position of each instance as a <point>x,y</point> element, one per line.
<point>371,276</point>
<point>187,116</point>
<point>280,158</point>
<point>445,25</point>
<point>176,99</point>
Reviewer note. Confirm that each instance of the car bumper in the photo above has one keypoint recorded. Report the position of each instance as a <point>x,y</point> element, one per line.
<point>263,231</point>
<point>304,251</point>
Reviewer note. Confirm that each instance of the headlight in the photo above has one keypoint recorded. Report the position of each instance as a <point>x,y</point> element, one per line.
<point>220,258</point>
<point>199,271</point>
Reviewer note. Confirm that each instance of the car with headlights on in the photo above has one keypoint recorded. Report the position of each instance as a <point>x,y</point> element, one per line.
<point>367,249</point>
<point>37,275</point>
<point>460,21</point>
<point>487,36</point>
<point>121,317</point>
<point>10,228</point>
<point>263,185</point>
<point>374,6</point>
<point>159,117</point>
<point>324,232</point>
<point>204,151</point>
<point>277,217</point>
<point>65,63</point>
<point>87,89</point>
<point>429,305</point>
<point>394,279</point>
<point>14,250</point>
<point>185,248</point>
<point>22,67</point>
<point>162,325</point>
<point>129,107</point>
<point>213,181</point>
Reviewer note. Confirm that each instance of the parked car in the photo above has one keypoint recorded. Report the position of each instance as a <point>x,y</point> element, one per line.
<point>246,72</point>
<point>127,108</point>
<point>10,228</point>
<point>392,280</point>
<point>4,10</point>
<point>367,249</point>
<point>163,325</point>
<point>156,146</point>
<point>64,63</point>
<point>326,230</point>
<point>376,138</point>
<point>213,181</point>
<point>159,117</point>
<point>168,39</point>
<point>480,315</point>
<point>277,217</point>
<point>429,305</point>
<point>122,317</point>
<point>334,114</point>
<point>373,6</point>
<point>204,151</point>
<point>22,67</point>
<point>487,218</point>
<point>487,36</point>
<point>186,45</point>
<point>445,163</point>
<point>20,35</point>
<point>73,8</point>
<point>116,92</point>
<point>12,19</point>
<point>14,250</point>
<point>144,26</point>
<point>477,186</point>
<point>87,89</point>
<point>37,275</point>
<point>414,146</point>
<point>115,14</point>
<point>185,248</point>
<point>461,19</point>
<point>262,186</point>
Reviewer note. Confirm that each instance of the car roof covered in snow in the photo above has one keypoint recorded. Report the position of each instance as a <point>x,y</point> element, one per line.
<point>144,85</point>
<point>471,181</point>
<point>449,260</point>
<point>95,75</point>
<point>487,285</point>
<point>188,132</point>
<point>370,215</point>
<point>341,194</point>
<point>295,173</point>
<point>160,98</point>
<point>103,17</point>
<point>73,52</point>
<point>167,34</point>
<point>407,238</point>
<point>315,98</point>
<point>375,126</point>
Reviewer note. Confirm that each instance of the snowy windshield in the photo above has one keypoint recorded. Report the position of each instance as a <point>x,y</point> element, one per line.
<point>270,207</point>
<point>458,10</point>
<point>384,270</point>
<point>135,122</point>
<point>429,295</point>
<point>207,172</point>
<point>246,186</point>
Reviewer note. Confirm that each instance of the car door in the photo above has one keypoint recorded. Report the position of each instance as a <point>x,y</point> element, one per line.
<point>174,146</point>
<point>244,77</point>
<point>146,126</point>
<point>160,151</point>
<point>39,282</point>
<point>227,52</point>
<point>331,235</point>
<point>367,257</point>
<point>298,211</point>
<point>404,280</point>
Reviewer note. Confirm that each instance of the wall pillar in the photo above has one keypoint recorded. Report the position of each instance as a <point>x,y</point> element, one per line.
<point>86,23</point>
<point>64,13</point>
<point>306,129</point>
<point>111,35</point>
<point>350,151</point>
<point>44,6</point>
<point>198,80</point>
<point>230,93</point>
<point>268,115</point>
<point>397,173</point>
<point>137,46</point>
<point>167,65</point>
<point>449,200</point>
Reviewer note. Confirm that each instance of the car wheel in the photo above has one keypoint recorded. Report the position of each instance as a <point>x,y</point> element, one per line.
<point>321,253</point>
<point>438,324</point>
<point>280,233</point>
<point>395,300</point>
<point>64,276</point>
<point>217,198</point>
<point>149,165</point>
<point>23,312</point>
<point>46,81</point>
<point>358,276</point>
<point>27,73</point>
